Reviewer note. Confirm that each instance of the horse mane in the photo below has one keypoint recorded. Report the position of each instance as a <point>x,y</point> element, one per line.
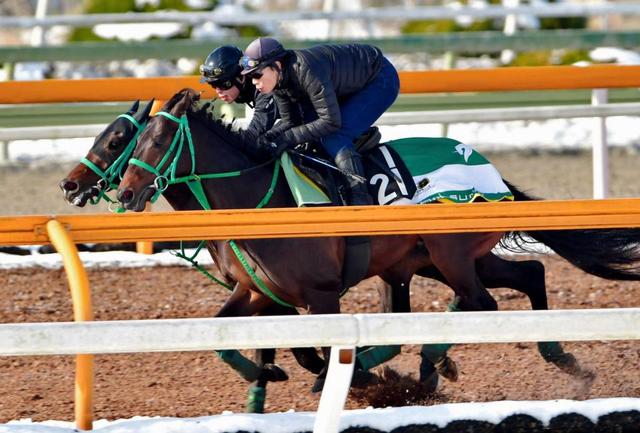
<point>217,126</point>
<point>189,98</point>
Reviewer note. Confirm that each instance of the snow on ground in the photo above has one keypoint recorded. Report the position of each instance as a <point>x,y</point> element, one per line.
<point>121,259</point>
<point>550,134</point>
<point>382,419</point>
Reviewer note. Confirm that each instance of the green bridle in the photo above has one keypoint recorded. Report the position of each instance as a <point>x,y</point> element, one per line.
<point>167,177</point>
<point>115,170</point>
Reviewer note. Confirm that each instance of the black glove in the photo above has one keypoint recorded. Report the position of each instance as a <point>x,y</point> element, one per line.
<point>274,147</point>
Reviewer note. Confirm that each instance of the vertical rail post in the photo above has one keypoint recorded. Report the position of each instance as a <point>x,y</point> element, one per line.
<point>336,388</point>
<point>600,158</point>
<point>4,153</point>
<point>82,312</point>
<point>145,247</point>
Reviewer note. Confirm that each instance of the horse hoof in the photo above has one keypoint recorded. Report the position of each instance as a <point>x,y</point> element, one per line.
<point>429,384</point>
<point>318,385</point>
<point>428,376</point>
<point>363,378</point>
<point>273,373</point>
<point>447,368</point>
<point>570,365</point>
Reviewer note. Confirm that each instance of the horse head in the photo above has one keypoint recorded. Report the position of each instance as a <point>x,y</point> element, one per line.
<point>101,169</point>
<point>157,156</point>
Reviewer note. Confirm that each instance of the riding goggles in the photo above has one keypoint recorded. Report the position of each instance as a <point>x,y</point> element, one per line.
<point>211,72</point>
<point>249,63</point>
<point>221,84</point>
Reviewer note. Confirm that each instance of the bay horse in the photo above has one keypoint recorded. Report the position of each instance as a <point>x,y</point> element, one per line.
<point>306,273</point>
<point>101,169</point>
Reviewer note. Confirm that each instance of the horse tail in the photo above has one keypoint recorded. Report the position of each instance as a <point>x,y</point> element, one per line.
<point>613,254</point>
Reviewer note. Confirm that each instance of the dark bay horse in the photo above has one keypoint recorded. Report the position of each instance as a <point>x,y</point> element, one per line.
<point>307,272</point>
<point>101,170</point>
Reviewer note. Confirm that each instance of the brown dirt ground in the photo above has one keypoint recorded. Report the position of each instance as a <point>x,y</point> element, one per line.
<point>197,383</point>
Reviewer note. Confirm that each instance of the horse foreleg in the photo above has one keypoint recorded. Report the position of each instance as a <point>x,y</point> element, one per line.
<point>528,277</point>
<point>242,302</point>
<point>307,357</point>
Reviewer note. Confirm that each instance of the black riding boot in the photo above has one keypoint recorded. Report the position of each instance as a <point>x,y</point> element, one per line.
<point>358,248</point>
<point>349,160</point>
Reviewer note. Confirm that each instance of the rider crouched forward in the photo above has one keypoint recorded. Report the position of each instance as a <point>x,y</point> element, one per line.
<point>346,87</point>
<point>221,70</point>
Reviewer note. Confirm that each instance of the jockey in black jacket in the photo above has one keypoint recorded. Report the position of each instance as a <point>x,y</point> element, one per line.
<point>221,69</point>
<point>347,88</point>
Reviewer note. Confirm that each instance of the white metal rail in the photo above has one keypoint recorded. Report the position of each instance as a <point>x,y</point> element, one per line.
<point>342,332</point>
<point>398,118</point>
<point>377,14</point>
<point>123,336</point>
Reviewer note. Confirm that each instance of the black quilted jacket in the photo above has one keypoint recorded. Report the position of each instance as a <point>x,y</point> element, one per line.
<point>321,76</point>
<point>264,112</point>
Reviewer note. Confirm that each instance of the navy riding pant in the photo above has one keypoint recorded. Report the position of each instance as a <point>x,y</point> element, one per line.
<point>360,110</point>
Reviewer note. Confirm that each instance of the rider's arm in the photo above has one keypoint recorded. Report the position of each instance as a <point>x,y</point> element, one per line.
<point>264,116</point>
<point>324,100</point>
<point>290,114</point>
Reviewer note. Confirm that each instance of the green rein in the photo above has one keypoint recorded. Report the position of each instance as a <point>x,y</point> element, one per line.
<point>194,182</point>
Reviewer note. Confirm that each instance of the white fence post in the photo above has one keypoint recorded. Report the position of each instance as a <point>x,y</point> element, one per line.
<point>600,149</point>
<point>336,388</point>
<point>4,153</point>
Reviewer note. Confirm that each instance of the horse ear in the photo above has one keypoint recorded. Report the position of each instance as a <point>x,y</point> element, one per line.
<point>145,113</point>
<point>134,107</point>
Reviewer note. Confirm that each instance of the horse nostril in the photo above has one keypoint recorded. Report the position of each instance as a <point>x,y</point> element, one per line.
<point>69,185</point>
<point>125,195</point>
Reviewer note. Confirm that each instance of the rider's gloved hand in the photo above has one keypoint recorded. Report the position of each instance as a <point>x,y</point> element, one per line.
<point>274,147</point>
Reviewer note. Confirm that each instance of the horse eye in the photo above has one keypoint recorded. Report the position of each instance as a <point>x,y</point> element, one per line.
<point>114,144</point>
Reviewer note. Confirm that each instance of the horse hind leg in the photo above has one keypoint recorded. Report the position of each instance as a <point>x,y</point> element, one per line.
<point>434,358</point>
<point>528,277</point>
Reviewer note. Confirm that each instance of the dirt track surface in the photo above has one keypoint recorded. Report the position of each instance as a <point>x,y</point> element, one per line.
<point>197,383</point>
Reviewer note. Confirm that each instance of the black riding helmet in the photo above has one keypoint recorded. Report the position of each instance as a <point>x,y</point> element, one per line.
<point>222,67</point>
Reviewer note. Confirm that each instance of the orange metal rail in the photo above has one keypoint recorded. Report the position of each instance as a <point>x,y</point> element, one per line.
<point>82,312</point>
<point>472,80</point>
<point>329,221</point>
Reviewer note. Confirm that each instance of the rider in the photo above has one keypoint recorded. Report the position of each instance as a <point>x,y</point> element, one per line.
<point>221,70</point>
<point>347,86</point>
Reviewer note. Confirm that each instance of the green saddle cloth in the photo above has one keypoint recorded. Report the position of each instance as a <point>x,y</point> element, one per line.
<point>441,168</point>
<point>446,170</point>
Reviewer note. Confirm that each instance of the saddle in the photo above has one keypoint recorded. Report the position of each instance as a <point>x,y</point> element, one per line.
<point>369,140</point>
<point>388,177</point>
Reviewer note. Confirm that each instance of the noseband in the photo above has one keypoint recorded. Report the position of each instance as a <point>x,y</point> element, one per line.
<point>107,178</point>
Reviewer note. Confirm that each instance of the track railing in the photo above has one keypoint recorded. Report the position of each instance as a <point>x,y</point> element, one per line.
<point>467,42</point>
<point>458,80</point>
<point>476,80</point>
<point>370,14</point>
<point>345,332</point>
